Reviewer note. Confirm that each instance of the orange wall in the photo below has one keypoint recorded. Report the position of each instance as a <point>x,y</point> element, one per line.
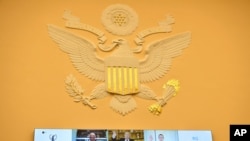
<point>214,71</point>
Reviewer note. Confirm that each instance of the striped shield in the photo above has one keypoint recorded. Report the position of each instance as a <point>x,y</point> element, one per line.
<point>121,75</point>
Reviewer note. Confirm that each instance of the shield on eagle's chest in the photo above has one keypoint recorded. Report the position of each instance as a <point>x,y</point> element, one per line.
<point>122,75</point>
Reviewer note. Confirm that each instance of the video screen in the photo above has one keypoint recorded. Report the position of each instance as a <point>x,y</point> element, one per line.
<point>121,135</point>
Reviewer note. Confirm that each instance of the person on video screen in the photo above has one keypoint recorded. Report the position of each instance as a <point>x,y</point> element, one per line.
<point>126,137</point>
<point>160,137</point>
<point>150,138</point>
<point>92,137</point>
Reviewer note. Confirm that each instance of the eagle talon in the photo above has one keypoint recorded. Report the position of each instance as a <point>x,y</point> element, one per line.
<point>155,108</point>
<point>86,101</point>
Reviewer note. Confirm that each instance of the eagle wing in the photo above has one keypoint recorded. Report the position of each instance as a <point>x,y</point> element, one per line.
<point>159,56</point>
<point>81,52</point>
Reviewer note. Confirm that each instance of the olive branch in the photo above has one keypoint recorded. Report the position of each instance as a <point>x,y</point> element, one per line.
<point>75,90</point>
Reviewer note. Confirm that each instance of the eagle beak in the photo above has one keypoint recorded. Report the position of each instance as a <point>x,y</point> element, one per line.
<point>116,41</point>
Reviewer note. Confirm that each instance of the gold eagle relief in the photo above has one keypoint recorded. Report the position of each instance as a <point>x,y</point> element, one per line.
<point>121,74</point>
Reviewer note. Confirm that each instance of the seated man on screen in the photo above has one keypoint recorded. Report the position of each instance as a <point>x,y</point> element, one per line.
<point>92,137</point>
<point>160,137</point>
<point>126,137</point>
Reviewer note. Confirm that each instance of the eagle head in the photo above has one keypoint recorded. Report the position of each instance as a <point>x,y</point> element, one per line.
<point>123,48</point>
